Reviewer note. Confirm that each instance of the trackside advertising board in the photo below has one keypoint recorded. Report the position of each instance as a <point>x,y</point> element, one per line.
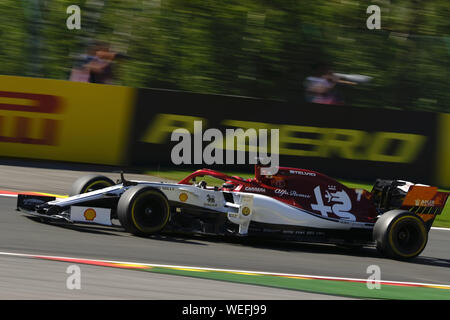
<point>113,125</point>
<point>340,141</point>
<point>63,120</point>
<point>443,151</point>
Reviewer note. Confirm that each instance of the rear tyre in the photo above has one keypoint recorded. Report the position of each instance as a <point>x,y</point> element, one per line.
<point>143,210</point>
<point>90,183</point>
<point>400,235</point>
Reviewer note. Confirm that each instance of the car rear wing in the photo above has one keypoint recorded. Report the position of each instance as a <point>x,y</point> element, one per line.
<point>425,201</point>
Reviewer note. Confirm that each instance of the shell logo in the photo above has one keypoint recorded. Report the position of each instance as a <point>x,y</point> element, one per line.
<point>183,197</point>
<point>246,211</point>
<point>89,214</point>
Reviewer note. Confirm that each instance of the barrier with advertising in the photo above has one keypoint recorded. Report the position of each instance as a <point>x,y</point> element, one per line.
<point>345,142</point>
<point>63,120</point>
<point>102,124</point>
<point>443,152</point>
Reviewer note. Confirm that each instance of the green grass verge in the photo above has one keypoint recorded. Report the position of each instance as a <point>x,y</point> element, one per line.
<point>442,220</point>
<point>330,287</point>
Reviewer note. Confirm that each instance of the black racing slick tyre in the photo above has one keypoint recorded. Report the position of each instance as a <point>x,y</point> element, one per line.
<point>90,183</point>
<point>400,234</point>
<point>143,210</point>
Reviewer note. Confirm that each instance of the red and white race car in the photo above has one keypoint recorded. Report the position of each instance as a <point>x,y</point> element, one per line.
<point>294,205</point>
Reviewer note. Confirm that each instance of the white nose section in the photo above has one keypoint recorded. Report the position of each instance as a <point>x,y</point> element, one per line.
<point>244,214</point>
<point>91,215</point>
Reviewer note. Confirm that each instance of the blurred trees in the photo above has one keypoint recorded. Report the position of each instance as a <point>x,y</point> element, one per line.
<point>253,48</point>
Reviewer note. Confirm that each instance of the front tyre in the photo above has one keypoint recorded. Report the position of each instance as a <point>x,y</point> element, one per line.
<point>400,234</point>
<point>90,183</point>
<point>143,210</point>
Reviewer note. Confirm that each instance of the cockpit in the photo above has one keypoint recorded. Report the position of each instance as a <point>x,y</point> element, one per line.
<point>212,180</point>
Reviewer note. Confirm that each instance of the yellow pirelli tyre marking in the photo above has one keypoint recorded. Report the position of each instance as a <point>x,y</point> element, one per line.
<point>133,218</point>
<point>95,183</point>
<point>443,151</point>
<point>391,240</point>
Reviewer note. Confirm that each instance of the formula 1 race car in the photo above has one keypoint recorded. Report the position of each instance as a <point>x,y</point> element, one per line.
<point>293,204</point>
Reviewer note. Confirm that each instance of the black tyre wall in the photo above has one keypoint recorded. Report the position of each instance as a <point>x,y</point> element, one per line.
<point>143,210</point>
<point>388,228</point>
<point>92,182</point>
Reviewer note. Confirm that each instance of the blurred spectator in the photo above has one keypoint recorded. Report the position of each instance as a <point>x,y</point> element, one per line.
<point>326,87</point>
<point>79,73</point>
<point>321,86</point>
<point>97,65</point>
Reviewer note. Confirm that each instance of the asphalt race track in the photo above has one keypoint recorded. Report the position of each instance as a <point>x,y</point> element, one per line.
<point>23,235</point>
<point>37,279</point>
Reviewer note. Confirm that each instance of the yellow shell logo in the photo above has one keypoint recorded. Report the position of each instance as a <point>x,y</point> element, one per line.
<point>90,214</point>
<point>246,211</point>
<point>183,197</point>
